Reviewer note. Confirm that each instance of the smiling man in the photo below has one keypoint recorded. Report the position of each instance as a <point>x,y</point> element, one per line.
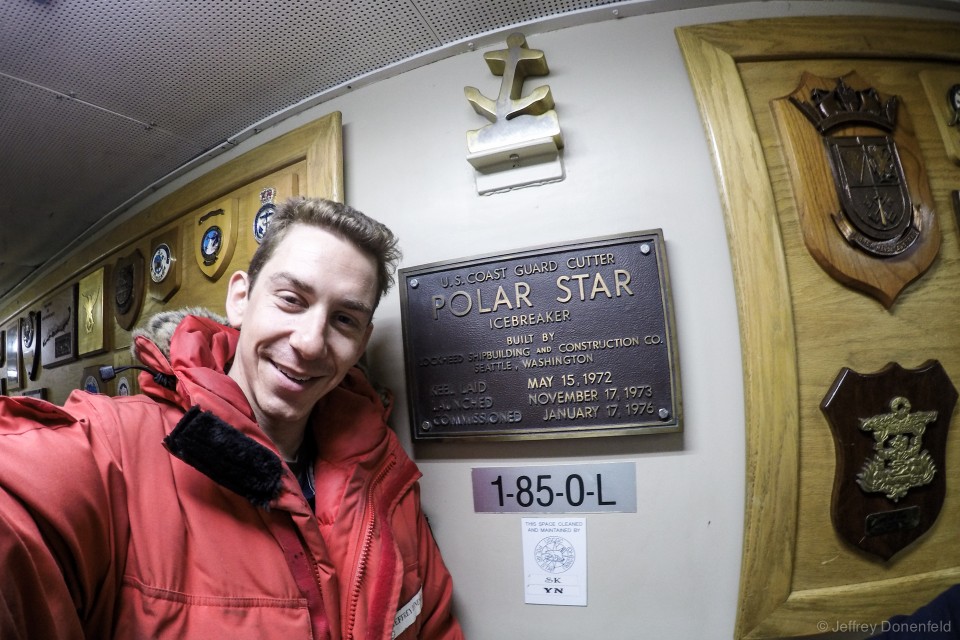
<point>253,491</point>
<point>303,327</point>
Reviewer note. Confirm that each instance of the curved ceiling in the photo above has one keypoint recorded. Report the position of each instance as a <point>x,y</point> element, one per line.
<point>103,101</point>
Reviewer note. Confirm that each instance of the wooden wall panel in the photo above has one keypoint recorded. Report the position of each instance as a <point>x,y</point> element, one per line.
<point>800,326</point>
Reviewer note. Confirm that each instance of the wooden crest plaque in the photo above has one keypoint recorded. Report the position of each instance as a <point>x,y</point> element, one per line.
<point>128,289</point>
<point>29,344</point>
<point>890,431</point>
<point>165,265</point>
<point>215,237</point>
<point>863,199</point>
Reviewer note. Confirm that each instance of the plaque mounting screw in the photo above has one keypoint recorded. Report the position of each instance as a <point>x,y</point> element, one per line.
<point>425,425</point>
<point>414,283</point>
<point>645,249</point>
<point>664,414</point>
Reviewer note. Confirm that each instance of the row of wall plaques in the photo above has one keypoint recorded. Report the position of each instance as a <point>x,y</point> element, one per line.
<point>185,247</point>
<point>805,325</point>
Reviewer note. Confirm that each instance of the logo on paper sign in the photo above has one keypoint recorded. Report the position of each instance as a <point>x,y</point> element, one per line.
<point>555,554</point>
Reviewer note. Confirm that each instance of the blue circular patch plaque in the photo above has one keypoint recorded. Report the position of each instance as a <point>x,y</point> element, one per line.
<point>210,245</point>
<point>91,385</point>
<point>261,220</point>
<point>264,213</point>
<point>160,264</point>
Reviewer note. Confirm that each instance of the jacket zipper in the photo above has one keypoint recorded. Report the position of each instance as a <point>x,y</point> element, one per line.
<point>365,547</point>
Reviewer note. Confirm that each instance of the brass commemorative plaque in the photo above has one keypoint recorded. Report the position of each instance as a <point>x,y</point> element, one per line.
<point>568,340</point>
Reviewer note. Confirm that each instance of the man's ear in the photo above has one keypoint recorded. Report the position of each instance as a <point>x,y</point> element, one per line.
<point>238,294</point>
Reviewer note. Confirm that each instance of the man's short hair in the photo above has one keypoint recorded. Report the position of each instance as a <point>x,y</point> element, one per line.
<point>368,235</point>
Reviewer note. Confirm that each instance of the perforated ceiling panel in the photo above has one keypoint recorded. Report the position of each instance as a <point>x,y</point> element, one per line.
<point>63,165</point>
<point>99,99</point>
<point>459,20</point>
<point>204,70</point>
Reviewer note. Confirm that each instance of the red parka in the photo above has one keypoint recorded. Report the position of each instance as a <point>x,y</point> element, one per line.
<point>171,515</point>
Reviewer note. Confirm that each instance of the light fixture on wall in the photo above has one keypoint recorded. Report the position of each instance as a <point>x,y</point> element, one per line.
<point>521,146</point>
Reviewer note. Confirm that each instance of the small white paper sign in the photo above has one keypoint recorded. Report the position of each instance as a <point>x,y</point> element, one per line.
<point>555,561</point>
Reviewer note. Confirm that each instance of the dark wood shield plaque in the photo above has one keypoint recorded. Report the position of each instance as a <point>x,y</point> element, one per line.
<point>29,344</point>
<point>128,289</point>
<point>890,432</point>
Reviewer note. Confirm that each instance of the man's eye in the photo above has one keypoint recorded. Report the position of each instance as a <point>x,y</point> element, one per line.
<point>348,320</point>
<point>290,300</point>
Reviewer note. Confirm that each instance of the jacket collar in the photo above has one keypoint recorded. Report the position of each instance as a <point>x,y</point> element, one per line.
<point>197,347</point>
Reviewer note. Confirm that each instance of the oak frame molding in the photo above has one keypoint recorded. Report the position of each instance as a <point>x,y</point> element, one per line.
<point>768,607</point>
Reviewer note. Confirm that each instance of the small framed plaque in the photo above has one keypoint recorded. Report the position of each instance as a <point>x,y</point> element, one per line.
<point>561,341</point>
<point>90,327</point>
<point>13,363</point>
<point>58,322</point>
<point>29,344</point>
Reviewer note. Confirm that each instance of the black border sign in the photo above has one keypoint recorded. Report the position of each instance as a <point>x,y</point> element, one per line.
<point>567,340</point>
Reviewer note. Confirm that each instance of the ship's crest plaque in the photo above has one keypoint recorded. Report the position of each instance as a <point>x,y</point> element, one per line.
<point>864,203</point>
<point>890,432</point>
<point>128,289</point>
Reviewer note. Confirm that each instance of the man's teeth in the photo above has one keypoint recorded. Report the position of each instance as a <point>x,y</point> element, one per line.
<point>291,376</point>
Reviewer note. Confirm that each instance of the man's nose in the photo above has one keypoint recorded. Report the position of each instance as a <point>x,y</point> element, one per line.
<point>309,337</point>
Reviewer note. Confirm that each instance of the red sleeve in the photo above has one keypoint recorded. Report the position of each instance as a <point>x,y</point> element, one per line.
<point>57,530</point>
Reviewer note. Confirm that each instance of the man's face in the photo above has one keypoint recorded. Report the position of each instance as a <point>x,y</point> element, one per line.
<point>302,326</point>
